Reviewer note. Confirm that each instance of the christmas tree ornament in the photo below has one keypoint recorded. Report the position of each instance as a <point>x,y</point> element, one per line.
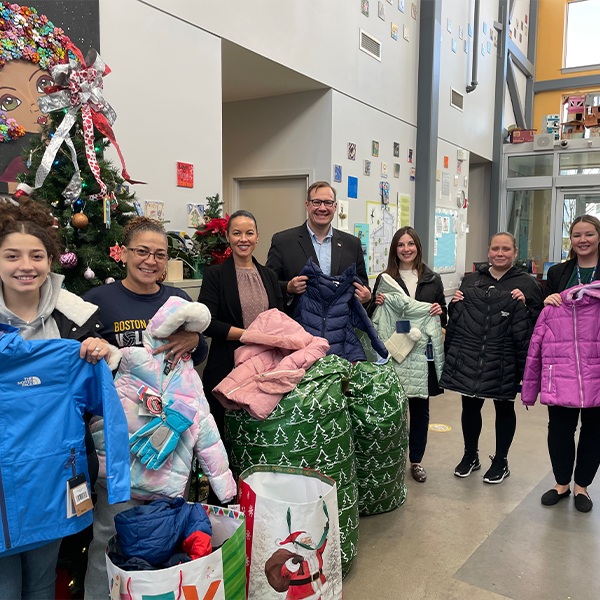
<point>115,252</point>
<point>28,163</point>
<point>109,280</point>
<point>79,220</point>
<point>89,274</point>
<point>79,88</point>
<point>68,260</point>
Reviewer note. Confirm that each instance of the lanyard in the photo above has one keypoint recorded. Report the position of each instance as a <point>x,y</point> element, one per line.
<point>591,278</point>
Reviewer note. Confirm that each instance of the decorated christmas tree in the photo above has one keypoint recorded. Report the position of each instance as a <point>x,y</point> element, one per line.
<point>87,238</point>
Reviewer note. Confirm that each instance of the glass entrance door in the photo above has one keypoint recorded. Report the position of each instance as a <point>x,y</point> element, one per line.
<point>573,204</point>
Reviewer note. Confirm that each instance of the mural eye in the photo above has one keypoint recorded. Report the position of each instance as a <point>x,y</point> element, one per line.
<point>8,102</point>
<point>43,82</point>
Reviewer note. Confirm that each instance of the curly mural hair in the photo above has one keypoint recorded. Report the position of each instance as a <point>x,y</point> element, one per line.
<point>26,35</point>
<point>32,218</point>
<point>141,225</point>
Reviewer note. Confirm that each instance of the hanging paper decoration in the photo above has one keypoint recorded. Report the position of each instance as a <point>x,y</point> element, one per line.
<point>79,220</point>
<point>89,274</point>
<point>68,260</point>
<point>79,86</point>
<point>115,252</point>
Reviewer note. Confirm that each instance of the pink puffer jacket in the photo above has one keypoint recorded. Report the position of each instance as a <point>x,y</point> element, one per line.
<point>564,352</point>
<point>275,356</point>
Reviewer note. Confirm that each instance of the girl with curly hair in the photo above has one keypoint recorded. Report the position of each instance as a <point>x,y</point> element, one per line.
<point>32,300</point>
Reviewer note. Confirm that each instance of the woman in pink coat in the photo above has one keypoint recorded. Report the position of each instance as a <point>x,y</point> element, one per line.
<point>563,364</point>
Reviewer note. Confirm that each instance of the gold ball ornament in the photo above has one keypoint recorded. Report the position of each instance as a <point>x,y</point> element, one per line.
<point>79,220</point>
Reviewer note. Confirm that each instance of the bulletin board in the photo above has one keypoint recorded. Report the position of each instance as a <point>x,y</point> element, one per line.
<point>444,244</point>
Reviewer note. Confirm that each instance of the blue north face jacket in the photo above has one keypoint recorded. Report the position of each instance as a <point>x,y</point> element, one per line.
<point>46,388</point>
<point>329,309</point>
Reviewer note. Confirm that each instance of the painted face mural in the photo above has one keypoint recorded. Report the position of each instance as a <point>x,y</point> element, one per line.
<point>30,45</point>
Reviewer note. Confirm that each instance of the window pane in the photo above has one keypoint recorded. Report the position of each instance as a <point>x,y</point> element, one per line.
<point>582,33</point>
<point>529,221</point>
<point>580,163</point>
<point>574,206</point>
<point>530,166</point>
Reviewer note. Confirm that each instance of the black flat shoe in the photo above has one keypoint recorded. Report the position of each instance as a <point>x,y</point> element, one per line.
<point>552,497</point>
<point>583,503</point>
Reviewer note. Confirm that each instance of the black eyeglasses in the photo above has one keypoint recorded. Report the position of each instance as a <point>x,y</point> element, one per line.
<point>327,203</point>
<point>159,255</point>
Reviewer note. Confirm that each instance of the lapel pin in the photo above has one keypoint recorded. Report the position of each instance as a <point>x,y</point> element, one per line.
<point>340,245</point>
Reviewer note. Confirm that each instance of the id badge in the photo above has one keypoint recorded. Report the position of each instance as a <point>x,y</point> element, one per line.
<point>403,326</point>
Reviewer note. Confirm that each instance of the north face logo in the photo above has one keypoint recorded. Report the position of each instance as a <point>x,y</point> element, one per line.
<point>504,313</point>
<point>29,381</point>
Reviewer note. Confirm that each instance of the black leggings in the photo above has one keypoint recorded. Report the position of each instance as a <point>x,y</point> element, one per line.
<point>506,424</point>
<point>419,423</point>
<point>562,423</point>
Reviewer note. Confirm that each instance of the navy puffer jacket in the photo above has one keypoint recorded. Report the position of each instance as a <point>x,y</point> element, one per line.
<point>329,309</point>
<point>156,531</point>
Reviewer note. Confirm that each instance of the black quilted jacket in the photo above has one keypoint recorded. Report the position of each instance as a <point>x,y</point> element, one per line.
<point>486,344</point>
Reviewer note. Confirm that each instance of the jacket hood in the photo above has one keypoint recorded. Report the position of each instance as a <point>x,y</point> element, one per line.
<point>275,329</point>
<point>512,272</point>
<point>173,314</point>
<point>313,270</point>
<point>389,285</point>
<point>578,292</point>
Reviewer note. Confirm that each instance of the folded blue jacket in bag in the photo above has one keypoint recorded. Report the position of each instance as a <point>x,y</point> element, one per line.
<point>154,532</point>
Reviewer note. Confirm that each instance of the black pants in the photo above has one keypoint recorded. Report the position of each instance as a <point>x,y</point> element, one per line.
<point>419,423</point>
<point>562,424</point>
<point>506,424</point>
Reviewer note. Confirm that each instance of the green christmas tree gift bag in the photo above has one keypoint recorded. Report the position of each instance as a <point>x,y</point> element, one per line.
<point>378,409</point>
<point>310,428</point>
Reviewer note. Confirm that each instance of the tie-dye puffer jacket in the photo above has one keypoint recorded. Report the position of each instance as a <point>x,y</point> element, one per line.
<point>138,369</point>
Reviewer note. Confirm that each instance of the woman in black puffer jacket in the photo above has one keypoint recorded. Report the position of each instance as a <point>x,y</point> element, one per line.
<point>486,347</point>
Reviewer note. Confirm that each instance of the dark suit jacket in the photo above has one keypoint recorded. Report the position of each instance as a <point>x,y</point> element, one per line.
<point>220,293</point>
<point>559,275</point>
<point>290,249</point>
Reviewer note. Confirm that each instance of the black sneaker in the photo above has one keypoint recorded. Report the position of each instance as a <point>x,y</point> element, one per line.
<point>468,464</point>
<point>498,471</point>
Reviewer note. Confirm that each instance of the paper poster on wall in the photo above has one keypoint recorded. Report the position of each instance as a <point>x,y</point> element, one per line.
<point>185,175</point>
<point>155,210</point>
<point>382,222</point>
<point>445,184</point>
<point>444,259</point>
<point>337,173</point>
<point>403,210</point>
<point>361,231</point>
<point>195,215</point>
<point>352,187</point>
<point>343,209</point>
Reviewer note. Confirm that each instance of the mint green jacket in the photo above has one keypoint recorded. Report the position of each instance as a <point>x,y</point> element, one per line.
<point>413,370</point>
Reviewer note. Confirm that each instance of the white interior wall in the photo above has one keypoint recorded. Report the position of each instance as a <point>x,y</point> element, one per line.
<point>320,40</point>
<point>276,136</point>
<point>166,111</point>
<point>472,128</point>
<point>355,122</point>
<point>520,29</point>
<point>509,113</point>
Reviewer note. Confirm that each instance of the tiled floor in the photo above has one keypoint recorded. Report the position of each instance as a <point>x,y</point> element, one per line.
<point>462,539</point>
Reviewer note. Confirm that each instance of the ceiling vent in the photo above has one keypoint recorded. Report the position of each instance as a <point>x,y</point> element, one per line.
<point>370,45</point>
<point>457,100</point>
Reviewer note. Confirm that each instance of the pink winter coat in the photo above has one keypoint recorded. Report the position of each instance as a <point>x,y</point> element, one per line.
<point>275,356</point>
<point>564,352</point>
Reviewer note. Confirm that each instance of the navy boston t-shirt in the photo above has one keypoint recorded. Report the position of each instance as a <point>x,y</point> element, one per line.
<point>125,314</point>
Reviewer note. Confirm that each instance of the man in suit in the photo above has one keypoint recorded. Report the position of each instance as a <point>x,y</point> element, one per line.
<point>332,249</point>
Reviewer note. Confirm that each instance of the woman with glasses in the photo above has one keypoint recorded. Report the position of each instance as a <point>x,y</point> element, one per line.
<point>127,306</point>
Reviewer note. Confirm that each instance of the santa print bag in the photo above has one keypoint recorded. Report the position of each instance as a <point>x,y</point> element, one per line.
<point>218,576</point>
<point>292,534</point>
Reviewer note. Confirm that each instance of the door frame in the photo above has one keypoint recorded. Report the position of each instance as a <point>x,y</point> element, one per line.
<point>234,184</point>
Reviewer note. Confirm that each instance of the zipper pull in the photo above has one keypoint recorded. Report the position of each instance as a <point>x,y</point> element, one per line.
<point>71,462</point>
